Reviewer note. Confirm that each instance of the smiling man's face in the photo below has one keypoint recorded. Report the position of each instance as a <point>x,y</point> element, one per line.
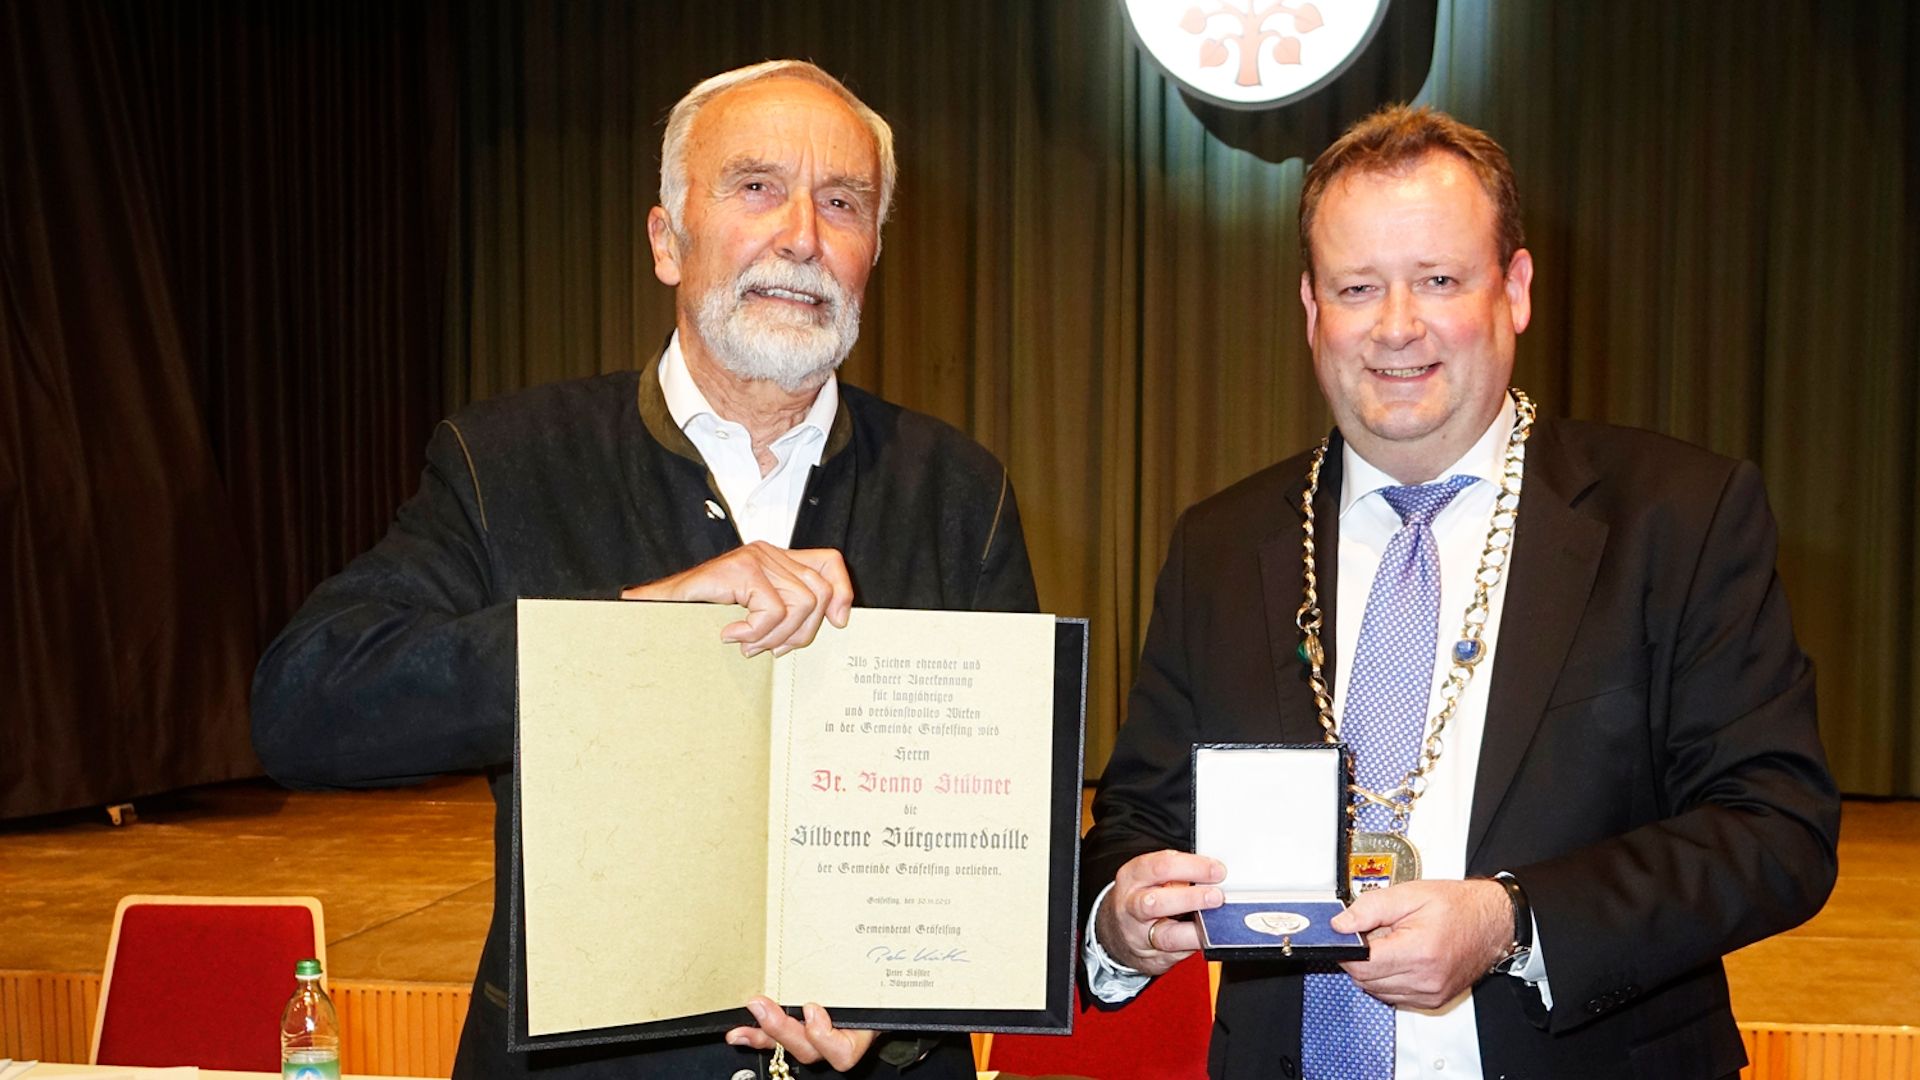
<point>778,235</point>
<point>1410,313</point>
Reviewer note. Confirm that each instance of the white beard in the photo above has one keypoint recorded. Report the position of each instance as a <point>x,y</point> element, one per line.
<point>793,349</point>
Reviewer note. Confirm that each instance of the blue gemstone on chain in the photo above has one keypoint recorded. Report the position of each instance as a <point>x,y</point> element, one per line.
<point>1468,651</point>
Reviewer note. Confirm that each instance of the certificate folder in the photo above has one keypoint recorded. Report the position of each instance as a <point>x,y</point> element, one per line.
<point>885,821</point>
<point>1276,815</point>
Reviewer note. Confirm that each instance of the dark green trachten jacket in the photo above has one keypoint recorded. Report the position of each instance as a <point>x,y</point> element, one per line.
<point>402,666</point>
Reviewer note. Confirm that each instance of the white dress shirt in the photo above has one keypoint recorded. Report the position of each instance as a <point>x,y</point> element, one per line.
<point>763,507</point>
<point>1438,1042</point>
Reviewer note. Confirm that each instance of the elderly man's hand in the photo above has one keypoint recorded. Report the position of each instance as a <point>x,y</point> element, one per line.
<point>1430,940</point>
<point>812,1041</point>
<point>1138,923</point>
<point>786,593</point>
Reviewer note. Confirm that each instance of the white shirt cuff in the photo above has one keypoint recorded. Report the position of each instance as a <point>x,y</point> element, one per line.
<point>1534,971</point>
<point>1110,980</point>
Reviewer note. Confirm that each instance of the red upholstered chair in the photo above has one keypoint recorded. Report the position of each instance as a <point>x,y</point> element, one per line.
<point>201,980</point>
<point>1160,1035</point>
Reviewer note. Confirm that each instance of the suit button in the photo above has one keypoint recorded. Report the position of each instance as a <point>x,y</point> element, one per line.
<point>1286,1067</point>
<point>746,1074</point>
<point>1596,1007</point>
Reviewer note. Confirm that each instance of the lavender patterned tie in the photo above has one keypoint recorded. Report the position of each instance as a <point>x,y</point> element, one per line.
<point>1345,1034</point>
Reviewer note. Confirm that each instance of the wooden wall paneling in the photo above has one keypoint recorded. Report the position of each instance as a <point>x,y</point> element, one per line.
<point>412,1029</point>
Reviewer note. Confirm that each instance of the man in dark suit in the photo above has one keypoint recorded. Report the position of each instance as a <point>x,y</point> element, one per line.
<point>1560,651</point>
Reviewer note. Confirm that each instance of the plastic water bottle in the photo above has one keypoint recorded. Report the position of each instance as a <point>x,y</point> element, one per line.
<point>309,1029</point>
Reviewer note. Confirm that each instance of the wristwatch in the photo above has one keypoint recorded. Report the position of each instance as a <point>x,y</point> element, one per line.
<point>1521,950</point>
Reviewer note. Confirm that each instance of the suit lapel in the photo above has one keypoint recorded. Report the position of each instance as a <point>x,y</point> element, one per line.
<point>1281,582</point>
<point>1556,556</point>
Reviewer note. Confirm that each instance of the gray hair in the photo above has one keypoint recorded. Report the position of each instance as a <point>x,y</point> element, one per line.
<point>673,148</point>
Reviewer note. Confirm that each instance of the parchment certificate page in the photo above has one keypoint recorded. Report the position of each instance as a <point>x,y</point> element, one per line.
<point>643,812</point>
<point>908,837</point>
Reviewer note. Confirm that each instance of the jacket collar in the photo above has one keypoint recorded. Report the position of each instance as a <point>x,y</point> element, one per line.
<point>1282,590</point>
<point>658,420</point>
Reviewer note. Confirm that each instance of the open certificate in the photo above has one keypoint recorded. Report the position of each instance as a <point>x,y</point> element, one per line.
<point>885,821</point>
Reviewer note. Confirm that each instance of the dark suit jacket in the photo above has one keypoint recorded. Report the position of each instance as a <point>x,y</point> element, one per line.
<point>402,666</point>
<point>1651,770</point>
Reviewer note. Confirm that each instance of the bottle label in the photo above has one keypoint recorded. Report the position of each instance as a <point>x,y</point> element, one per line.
<point>310,1065</point>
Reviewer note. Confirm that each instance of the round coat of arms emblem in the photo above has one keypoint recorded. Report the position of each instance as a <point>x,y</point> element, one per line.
<point>1253,54</point>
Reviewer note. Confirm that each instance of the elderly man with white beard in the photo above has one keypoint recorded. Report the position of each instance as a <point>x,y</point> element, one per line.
<point>733,468</point>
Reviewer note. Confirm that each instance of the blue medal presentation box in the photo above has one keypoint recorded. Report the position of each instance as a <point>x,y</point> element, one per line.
<point>1275,814</point>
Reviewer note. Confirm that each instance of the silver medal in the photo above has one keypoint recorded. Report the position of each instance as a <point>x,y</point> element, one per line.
<point>1277,923</point>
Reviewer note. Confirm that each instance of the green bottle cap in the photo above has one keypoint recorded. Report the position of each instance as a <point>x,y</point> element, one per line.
<point>307,967</point>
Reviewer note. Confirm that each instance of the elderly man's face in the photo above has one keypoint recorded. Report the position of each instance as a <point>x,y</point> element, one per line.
<point>1411,315</point>
<point>779,233</point>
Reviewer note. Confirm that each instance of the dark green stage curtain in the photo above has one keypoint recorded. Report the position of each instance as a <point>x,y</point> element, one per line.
<point>1098,278</point>
<point>1722,199</point>
<point>249,253</point>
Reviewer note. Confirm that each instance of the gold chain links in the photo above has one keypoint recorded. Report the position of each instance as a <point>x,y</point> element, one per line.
<point>1493,563</point>
<point>777,1065</point>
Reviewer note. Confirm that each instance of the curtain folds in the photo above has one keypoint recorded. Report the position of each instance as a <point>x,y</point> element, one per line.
<point>223,263</point>
<point>125,641</point>
<point>303,160</point>
<point>1098,278</point>
<point>249,254</point>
